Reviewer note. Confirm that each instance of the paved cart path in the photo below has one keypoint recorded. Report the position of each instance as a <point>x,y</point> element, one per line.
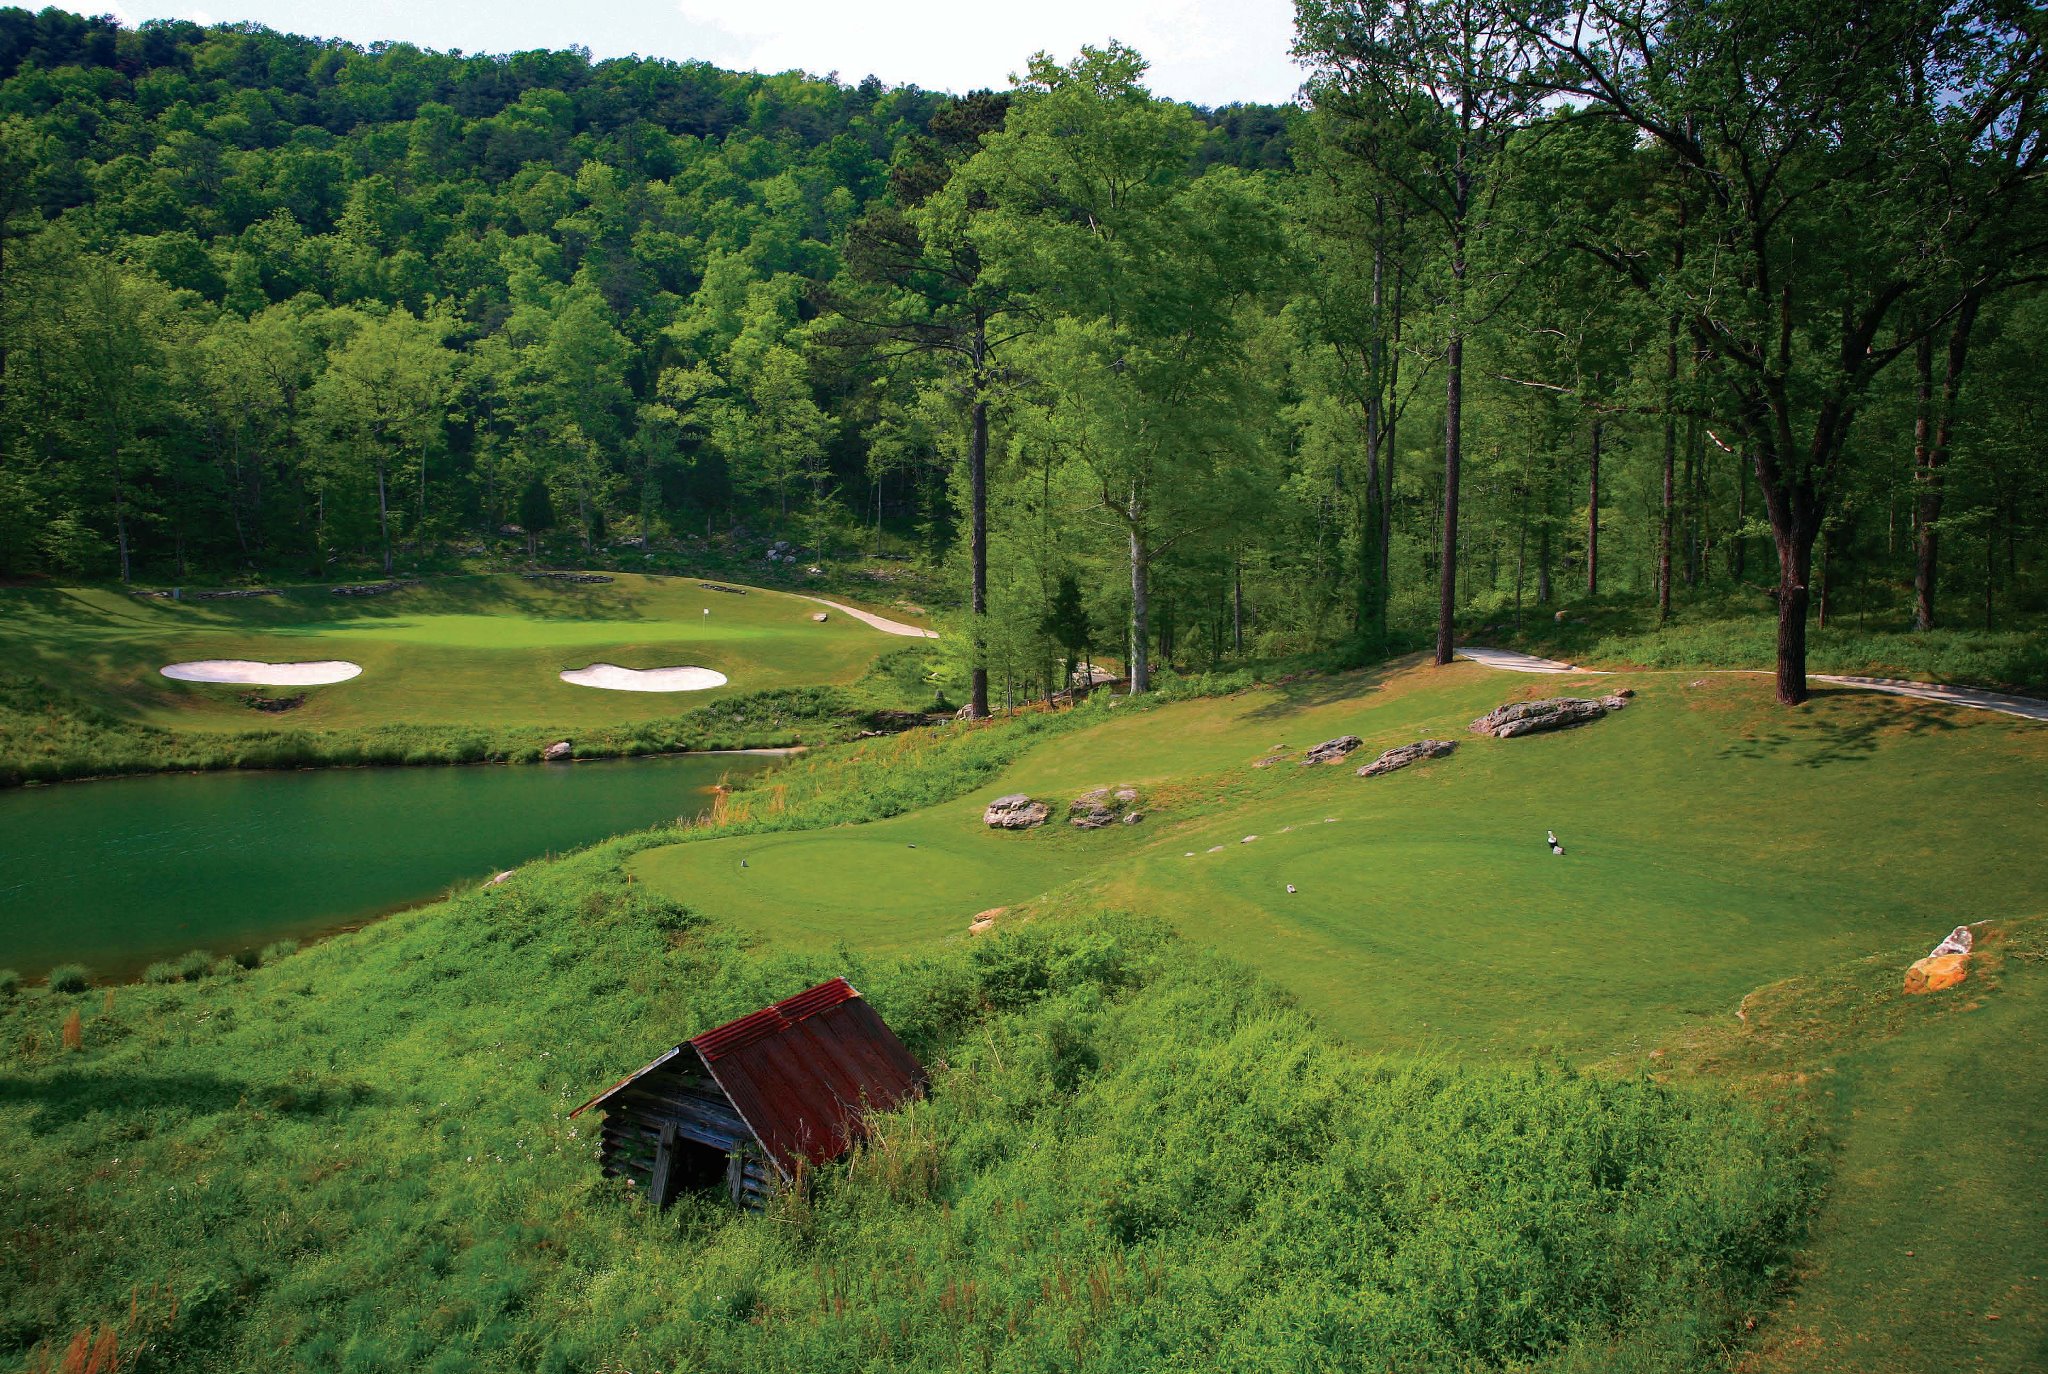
<point>882,623</point>
<point>2028,708</point>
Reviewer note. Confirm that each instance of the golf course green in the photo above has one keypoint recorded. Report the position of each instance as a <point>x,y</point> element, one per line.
<point>1712,844</point>
<point>447,652</point>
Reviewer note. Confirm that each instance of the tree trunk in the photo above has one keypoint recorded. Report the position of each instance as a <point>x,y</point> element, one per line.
<point>1792,594</point>
<point>1390,422</point>
<point>1141,609</point>
<point>977,481</point>
<point>1372,608</point>
<point>1521,557</point>
<point>1593,515</point>
<point>1738,561</point>
<point>1237,606</point>
<point>120,506</point>
<point>1447,573</point>
<point>1543,558</point>
<point>383,517</point>
<point>1795,515</point>
<point>1670,457</point>
<point>1930,456</point>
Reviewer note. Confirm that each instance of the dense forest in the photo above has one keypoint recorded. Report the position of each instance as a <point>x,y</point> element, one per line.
<point>1685,303</point>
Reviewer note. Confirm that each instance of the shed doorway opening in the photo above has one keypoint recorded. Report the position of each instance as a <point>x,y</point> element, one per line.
<point>684,1165</point>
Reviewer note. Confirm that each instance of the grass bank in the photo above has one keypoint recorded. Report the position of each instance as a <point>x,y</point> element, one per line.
<point>1136,1156</point>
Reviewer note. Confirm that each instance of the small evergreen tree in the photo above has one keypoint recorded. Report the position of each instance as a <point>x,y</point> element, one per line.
<point>1066,624</point>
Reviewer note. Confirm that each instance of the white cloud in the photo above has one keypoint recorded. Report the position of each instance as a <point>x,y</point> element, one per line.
<point>1209,51</point>
<point>1202,50</point>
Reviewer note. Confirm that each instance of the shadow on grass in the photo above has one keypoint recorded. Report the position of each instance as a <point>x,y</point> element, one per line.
<point>1292,698</point>
<point>65,1098</point>
<point>1812,740</point>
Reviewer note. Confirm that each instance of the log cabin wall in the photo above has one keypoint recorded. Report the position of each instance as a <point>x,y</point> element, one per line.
<point>680,1102</point>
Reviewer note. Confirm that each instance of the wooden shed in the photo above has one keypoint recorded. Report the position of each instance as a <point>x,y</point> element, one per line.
<point>748,1104</point>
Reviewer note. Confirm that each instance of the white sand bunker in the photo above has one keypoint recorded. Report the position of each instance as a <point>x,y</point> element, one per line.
<point>248,673</point>
<point>613,678</point>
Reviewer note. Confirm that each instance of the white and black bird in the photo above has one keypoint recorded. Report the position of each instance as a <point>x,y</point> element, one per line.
<point>1556,848</point>
<point>1551,835</point>
<point>1290,887</point>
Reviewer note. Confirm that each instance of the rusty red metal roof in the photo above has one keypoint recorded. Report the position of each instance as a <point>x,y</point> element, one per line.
<point>803,1073</point>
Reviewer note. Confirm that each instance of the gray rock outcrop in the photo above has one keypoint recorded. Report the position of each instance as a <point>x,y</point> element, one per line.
<point>559,750</point>
<point>1552,713</point>
<point>1104,806</point>
<point>1408,753</point>
<point>1015,812</point>
<point>1331,750</point>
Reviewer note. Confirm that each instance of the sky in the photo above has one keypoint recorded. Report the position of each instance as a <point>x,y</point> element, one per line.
<point>1211,52</point>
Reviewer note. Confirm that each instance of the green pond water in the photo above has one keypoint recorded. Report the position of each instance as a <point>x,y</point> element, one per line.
<point>117,874</point>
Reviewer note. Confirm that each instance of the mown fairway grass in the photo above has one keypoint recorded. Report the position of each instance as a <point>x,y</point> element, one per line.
<point>1713,843</point>
<point>458,651</point>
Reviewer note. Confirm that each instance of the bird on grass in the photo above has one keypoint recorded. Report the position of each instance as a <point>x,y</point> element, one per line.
<point>743,863</point>
<point>1290,887</point>
<point>1551,835</point>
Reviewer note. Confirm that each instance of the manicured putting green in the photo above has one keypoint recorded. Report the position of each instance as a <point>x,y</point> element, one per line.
<point>456,651</point>
<point>874,886</point>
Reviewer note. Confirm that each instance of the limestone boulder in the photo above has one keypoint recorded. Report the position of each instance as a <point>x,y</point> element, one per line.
<point>561,749</point>
<point>1331,750</point>
<point>1101,807</point>
<point>1552,713</point>
<point>1400,758</point>
<point>1015,812</point>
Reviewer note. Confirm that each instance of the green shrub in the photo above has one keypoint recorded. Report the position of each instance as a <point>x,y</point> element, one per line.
<point>162,971</point>
<point>278,949</point>
<point>10,982</point>
<point>194,965</point>
<point>70,978</point>
<point>247,959</point>
<point>224,967</point>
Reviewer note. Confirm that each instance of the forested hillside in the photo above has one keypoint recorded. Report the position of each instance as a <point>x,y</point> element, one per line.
<point>1500,316</point>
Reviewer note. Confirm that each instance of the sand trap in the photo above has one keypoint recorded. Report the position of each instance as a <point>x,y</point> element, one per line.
<point>613,678</point>
<point>248,673</point>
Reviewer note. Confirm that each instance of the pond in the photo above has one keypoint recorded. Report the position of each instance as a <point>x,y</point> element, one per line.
<point>117,874</point>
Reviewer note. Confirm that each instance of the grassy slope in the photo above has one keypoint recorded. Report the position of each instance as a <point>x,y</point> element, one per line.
<point>1715,844</point>
<point>1929,1254</point>
<point>358,1159</point>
